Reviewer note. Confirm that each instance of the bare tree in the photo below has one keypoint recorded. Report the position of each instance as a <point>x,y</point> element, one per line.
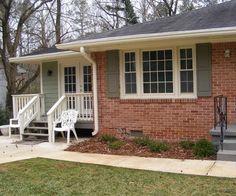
<point>11,29</point>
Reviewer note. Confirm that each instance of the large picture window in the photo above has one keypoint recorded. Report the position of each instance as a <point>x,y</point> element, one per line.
<point>186,70</point>
<point>130,72</point>
<point>157,71</point>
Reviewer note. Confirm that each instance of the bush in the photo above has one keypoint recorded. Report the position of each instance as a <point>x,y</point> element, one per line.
<point>115,145</point>
<point>108,138</point>
<point>4,116</point>
<point>155,146</point>
<point>203,148</point>
<point>187,145</point>
<point>142,141</point>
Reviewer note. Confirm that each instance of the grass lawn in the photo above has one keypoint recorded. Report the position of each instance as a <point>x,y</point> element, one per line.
<point>50,177</point>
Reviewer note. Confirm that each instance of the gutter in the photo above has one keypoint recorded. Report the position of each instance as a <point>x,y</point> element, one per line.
<point>40,57</point>
<point>149,37</point>
<point>95,91</point>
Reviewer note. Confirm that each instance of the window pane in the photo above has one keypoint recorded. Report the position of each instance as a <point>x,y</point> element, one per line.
<point>190,75</point>
<point>161,76</point>
<point>127,78</point>
<point>161,87</point>
<point>182,53</point>
<point>168,54</point>
<point>132,56</point>
<point>146,66</point>
<point>183,64</point>
<point>146,77</point>
<point>154,76</point>
<point>161,55</point>
<point>127,57</point>
<point>153,55</point>
<point>130,73</point>
<point>153,87</point>
<point>190,87</point>
<point>189,53</point>
<point>153,66</point>
<point>161,65</point>
<point>146,87</point>
<point>183,76</point>
<point>184,87</point>
<point>127,67</point>
<point>189,64</point>
<point>169,76</point>
<point>145,56</point>
<point>169,87</point>
<point>168,65</point>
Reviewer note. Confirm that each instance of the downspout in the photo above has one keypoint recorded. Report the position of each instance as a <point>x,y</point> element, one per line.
<point>95,91</point>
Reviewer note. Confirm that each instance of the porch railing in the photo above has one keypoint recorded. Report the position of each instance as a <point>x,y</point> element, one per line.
<point>20,101</point>
<point>81,102</point>
<point>220,116</point>
<point>26,114</point>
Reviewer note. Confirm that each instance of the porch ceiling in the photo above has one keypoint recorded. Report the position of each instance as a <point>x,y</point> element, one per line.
<point>36,59</point>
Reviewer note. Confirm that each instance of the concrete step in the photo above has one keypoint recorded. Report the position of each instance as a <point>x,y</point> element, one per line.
<point>229,144</point>
<point>226,155</point>
<point>37,128</point>
<point>35,134</point>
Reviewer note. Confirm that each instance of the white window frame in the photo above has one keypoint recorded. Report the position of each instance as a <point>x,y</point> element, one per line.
<point>176,75</point>
<point>194,93</point>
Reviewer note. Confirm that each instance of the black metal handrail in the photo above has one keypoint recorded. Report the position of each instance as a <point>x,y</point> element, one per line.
<point>220,116</point>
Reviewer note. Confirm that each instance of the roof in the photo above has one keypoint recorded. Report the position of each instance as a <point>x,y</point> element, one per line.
<point>40,51</point>
<point>215,16</point>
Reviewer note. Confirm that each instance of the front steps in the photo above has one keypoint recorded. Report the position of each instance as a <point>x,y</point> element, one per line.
<point>229,146</point>
<point>37,130</point>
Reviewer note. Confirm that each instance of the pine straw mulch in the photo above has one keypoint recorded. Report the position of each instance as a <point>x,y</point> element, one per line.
<point>94,145</point>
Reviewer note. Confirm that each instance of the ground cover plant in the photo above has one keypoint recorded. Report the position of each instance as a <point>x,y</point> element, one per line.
<point>51,177</point>
<point>145,147</point>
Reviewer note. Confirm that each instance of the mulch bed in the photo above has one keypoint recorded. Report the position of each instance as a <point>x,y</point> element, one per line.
<point>129,148</point>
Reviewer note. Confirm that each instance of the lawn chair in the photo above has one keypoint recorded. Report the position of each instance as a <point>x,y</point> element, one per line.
<point>66,123</point>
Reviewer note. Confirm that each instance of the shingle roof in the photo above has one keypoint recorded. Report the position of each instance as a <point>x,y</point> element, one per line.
<point>39,51</point>
<point>216,16</point>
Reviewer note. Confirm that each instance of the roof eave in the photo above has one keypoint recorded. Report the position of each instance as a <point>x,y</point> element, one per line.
<point>43,57</point>
<point>149,37</point>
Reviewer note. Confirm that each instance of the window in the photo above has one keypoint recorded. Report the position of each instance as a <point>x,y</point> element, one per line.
<point>157,71</point>
<point>70,79</point>
<point>130,73</point>
<point>87,78</point>
<point>186,70</point>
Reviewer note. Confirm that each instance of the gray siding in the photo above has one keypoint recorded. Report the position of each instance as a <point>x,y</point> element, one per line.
<point>113,78</point>
<point>204,69</point>
<point>50,83</point>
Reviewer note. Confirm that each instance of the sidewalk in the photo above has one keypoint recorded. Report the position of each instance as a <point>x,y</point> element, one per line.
<point>9,152</point>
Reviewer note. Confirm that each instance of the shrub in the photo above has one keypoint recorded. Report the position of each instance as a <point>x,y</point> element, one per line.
<point>203,148</point>
<point>4,116</point>
<point>155,146</point>
<point>142,141</point>
<point>115,145</point>
<point>187,145</point>
<point>108,138</point>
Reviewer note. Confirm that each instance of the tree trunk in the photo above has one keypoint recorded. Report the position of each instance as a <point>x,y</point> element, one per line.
<point>58,22</point>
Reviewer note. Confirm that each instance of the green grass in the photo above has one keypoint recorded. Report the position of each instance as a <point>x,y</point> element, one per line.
<point>50,177</point>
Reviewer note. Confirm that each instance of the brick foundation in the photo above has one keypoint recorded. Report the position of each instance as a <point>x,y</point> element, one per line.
<point>170,119</point>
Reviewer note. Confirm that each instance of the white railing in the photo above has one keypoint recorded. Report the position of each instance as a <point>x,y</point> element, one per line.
<point>25,115</point>
<point>54,114</point>
<point>81,102</point>
<point>20,101</point>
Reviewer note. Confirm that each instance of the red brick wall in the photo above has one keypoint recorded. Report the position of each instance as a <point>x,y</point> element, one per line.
<point>170,119</point>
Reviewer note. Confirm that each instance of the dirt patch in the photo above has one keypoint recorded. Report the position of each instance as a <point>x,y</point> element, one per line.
<point>94,145</point>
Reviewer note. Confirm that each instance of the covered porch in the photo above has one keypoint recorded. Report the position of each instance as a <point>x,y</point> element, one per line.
<point>67,81</point>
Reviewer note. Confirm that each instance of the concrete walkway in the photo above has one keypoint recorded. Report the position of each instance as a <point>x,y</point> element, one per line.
<point>12,152</point>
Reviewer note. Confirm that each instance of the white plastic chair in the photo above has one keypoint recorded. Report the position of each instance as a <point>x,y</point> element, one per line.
<point>67,123</point>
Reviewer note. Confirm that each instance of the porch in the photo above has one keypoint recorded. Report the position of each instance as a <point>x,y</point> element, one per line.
<point>31,118</point>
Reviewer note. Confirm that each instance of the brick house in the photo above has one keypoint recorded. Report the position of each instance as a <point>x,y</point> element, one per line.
<point>157,78</point>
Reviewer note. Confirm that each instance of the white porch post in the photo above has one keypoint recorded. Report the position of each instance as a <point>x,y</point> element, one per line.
<point>95,91</point>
